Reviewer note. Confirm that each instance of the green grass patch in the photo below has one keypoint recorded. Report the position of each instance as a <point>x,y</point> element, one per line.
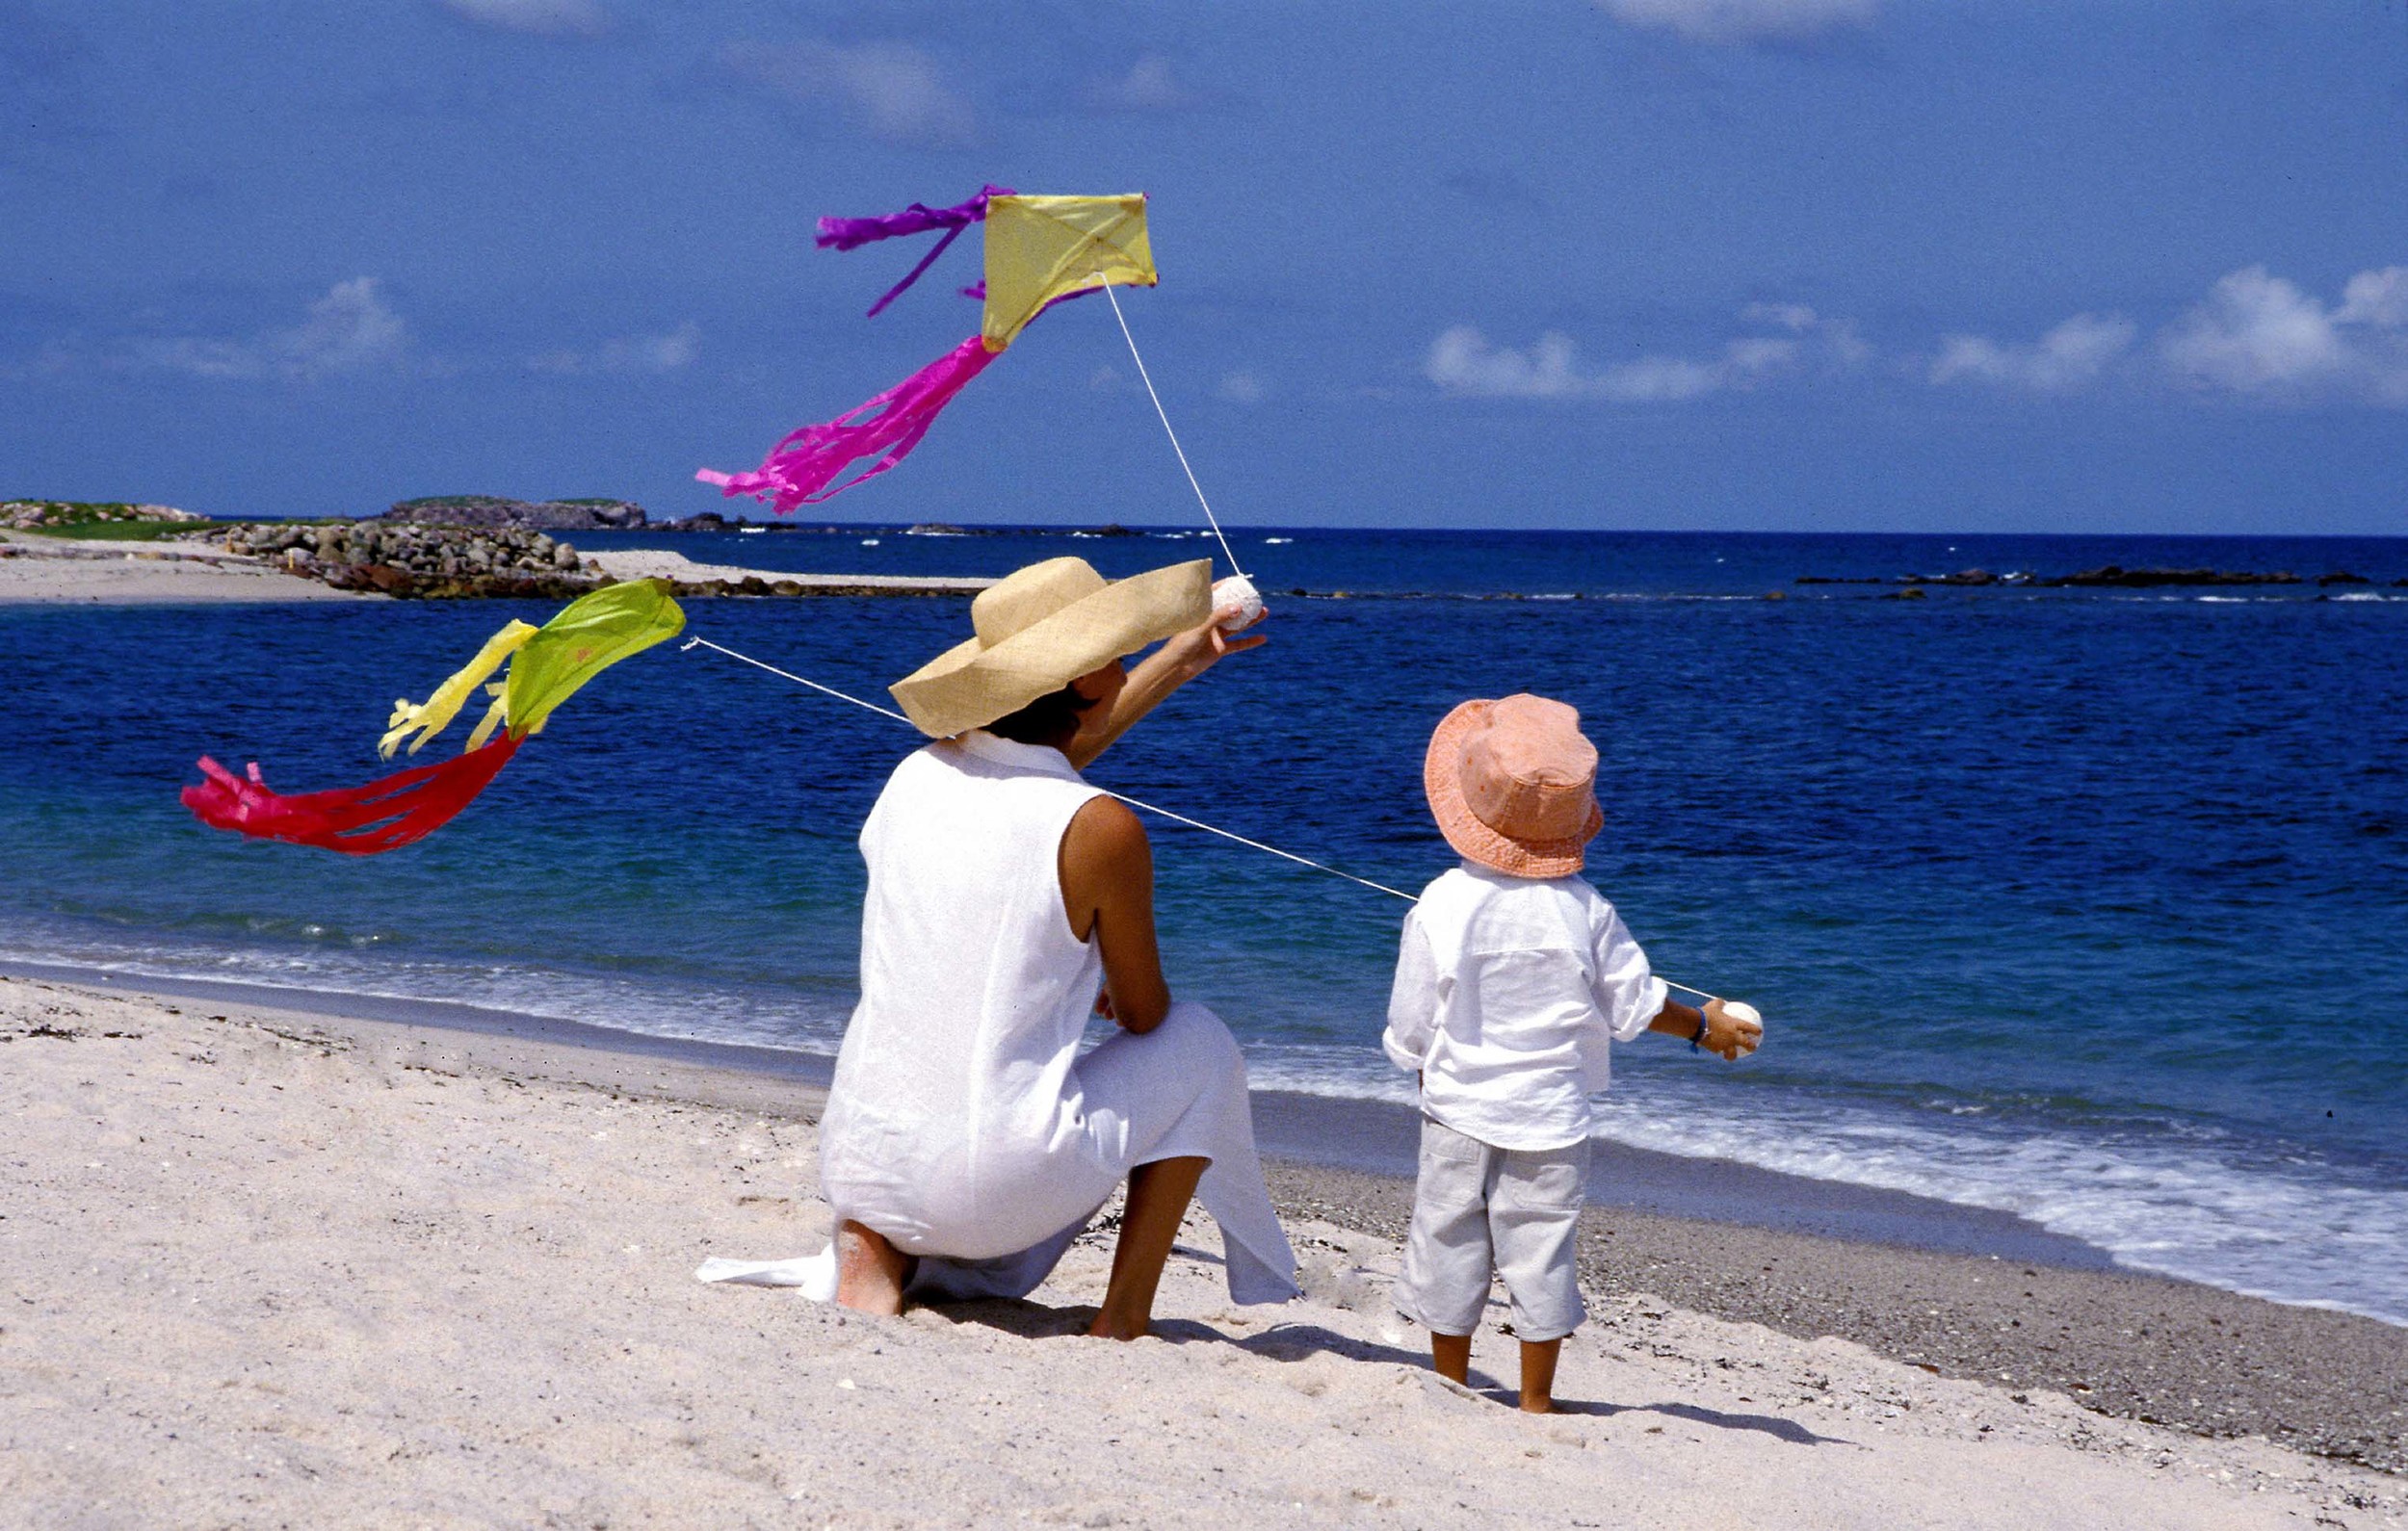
<point>116,531</point>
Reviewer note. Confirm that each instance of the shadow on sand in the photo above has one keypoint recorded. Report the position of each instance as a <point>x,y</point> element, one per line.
<point>1773,1425</point>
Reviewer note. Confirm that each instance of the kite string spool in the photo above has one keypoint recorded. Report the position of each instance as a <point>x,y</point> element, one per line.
<point>1182,819</point>
<point>1211,520</point>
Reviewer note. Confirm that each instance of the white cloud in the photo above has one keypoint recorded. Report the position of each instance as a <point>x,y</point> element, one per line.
<point>2067,357</point>
<point>1149,86</point>
<point>351,329</point>
<point>627,354</point>
<point>2259,334</point>
<point>895,92</point>
<point>1741,20</point>
<point>1463,361</point>
<point>543,19</point>
<point>1240,388</point>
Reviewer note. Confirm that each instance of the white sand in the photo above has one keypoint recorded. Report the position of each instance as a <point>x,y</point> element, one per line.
<point>260,1268</point>
<point>60,570</point>
<point>655,563</point>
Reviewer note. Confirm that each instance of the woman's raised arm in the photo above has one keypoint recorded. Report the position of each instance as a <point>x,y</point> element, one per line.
<point>1179,660</point>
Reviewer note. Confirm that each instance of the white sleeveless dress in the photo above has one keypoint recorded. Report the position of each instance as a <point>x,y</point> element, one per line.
<point>963,1124</point>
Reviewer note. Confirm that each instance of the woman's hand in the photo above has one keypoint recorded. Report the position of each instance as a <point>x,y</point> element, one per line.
<point>1198,649</point>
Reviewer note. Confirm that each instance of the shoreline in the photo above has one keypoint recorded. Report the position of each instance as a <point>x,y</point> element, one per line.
<point>2120,1344</point>
<point>1376,1138</point>
<point>37,570</point>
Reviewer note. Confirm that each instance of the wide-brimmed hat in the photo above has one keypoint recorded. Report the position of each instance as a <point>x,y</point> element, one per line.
<point>1040,627</point>
<point>1513,784</point>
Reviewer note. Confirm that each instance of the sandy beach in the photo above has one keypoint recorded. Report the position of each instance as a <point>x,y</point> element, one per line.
<point>62,570</point>
<point>268,1266</point>
<point>65,570</point>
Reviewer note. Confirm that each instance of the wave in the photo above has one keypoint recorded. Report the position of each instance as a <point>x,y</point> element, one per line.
<point>2262,1220</point>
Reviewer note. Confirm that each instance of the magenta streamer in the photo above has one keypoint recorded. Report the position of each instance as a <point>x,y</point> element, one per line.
<point>801,469</point>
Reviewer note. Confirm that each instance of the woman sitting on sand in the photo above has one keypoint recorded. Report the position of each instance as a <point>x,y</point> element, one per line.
<point>966,1142</point>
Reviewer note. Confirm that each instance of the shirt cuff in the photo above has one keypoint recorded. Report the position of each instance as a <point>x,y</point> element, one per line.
<point>1652,995</point>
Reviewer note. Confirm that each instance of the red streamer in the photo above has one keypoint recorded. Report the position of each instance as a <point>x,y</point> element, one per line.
<point>388,813</point>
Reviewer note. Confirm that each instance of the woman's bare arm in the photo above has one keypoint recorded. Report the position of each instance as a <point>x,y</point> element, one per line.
<point>1107,871</point>
<point>1179,660</point>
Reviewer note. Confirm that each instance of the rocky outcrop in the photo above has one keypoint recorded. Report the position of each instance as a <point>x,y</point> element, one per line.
<point>493,513</point>
<point>410,560</point>
<point>2112,576</point>
<point>27,515</point>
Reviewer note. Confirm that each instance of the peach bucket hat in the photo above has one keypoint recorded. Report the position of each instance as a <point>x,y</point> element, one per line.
<point>1512,784</point>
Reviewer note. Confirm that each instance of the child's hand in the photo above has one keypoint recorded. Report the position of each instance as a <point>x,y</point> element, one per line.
<point>1732,1031</point>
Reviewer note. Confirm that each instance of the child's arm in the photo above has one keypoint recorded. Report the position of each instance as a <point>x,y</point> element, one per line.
<point>1412,1000</point>
<point>1635,1000</point>
<point>1712,1028</point>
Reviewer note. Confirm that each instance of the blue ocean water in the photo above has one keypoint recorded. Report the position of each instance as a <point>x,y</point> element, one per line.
<point>2086,906</point>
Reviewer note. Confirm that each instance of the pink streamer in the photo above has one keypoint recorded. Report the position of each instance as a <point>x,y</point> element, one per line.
<point>799,470</point>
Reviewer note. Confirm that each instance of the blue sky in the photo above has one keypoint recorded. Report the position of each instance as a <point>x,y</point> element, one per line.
<point>1794,264</point>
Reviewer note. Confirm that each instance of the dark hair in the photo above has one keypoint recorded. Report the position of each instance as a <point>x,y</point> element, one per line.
<point>1052,719</point>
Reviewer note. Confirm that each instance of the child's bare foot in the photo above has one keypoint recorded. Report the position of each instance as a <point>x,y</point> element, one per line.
<point>870,1271</point>
<point>1538,1375</point>
<point>1452,1356</point>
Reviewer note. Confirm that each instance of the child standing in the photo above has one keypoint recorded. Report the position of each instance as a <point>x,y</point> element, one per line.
<point>1513,978</point>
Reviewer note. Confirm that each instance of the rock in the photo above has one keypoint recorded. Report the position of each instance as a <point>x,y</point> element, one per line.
<point>2115,576</point>
<point>564,555</point>
<point>494,513</point>
<point>2343,578</point>
<point>1913,592</point>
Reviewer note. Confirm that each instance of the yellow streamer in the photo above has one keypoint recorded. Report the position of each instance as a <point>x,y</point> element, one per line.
<point>436,714</point>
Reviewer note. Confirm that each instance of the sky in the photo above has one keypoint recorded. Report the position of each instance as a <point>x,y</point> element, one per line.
<point>1813,265</point>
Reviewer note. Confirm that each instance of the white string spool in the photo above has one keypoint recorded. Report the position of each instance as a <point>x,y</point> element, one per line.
<point>1238,591</point>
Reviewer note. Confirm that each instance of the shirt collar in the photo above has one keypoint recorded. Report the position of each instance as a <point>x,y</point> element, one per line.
<point>1039,758</point>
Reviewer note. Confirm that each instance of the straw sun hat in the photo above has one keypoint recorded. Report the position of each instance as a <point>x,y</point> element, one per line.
<point>1512,784</point>
<point>1042,626</point>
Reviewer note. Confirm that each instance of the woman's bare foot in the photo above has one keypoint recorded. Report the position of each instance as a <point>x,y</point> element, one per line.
<point>870,1272</point>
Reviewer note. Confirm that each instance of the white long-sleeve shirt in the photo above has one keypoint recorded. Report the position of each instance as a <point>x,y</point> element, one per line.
<point>1508,992</point>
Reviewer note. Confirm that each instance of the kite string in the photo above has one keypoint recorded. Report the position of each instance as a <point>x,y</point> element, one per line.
<point>1147,378</point>
<point>1182,819</point>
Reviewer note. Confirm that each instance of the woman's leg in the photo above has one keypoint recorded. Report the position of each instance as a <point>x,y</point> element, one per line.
<point>1178,1092</point>
<point>870,1271</point>
<point>1450,1355</point>
<point>1159,1194</point>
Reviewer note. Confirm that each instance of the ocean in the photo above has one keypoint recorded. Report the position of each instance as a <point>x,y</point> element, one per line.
<point>2087,905</point>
